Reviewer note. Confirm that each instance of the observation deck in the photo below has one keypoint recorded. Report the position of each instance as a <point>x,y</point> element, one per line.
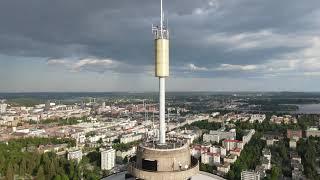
<point>164,162</point>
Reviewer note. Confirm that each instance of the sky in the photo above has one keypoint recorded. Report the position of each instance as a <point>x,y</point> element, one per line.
<point>107,45</point>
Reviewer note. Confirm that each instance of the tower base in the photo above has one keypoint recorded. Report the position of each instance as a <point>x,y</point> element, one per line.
<point>172,161</point>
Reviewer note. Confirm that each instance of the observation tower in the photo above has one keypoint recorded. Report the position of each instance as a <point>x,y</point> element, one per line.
<point>163,159</point>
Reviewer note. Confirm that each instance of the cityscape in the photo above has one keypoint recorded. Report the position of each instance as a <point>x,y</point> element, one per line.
<point>217,90</point>
<point>233,135</point>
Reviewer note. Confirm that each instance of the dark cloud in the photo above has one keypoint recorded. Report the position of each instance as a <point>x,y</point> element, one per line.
<point>121,30</point>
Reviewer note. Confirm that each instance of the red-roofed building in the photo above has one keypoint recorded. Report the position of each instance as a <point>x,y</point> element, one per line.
<point>236,151</point>
<point>210,158</point>
<point>294,134</point>
<point>197,150</point>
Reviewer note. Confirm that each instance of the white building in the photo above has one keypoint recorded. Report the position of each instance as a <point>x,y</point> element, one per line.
<point>3,108</point>
<point>79,136</point>
<point>246,138</point>
<point>217,136</point>
<point>196,151</point>
<point>230,159</point>
<point>217,149</point>
<point>39,106</point>
<point>215,114</point>
<point>224,168</point>
<point>210,158</point>
<point>214,149</point>
<point>121,155</point>
<point>75,154</point>
<point>25,130</point>
<point>37,132</point>
<point>293,143</point>
<point>250,175</point>
<point>266,159</point>
<point>223,151</point>
<point>34,117</point>
<point>232,144</point>
<point>313,131</point>
<point>257,118</point>
<point>128,138</point>
<point>108,159</point>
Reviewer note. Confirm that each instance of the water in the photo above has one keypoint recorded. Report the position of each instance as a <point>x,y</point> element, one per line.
<point>308,108</point>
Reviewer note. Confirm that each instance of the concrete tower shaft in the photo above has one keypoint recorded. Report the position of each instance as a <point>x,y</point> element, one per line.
<point>161,34</point>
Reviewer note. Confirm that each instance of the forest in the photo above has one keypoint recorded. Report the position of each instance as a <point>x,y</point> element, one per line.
<point>309,150</point>
<point>16,162</point>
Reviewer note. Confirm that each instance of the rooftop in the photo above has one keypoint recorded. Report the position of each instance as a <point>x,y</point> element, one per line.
<point>169,144</point>
<point>200,176</point>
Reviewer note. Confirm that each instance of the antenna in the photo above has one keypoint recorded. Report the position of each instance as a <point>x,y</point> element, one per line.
<point>161,31</point>
<point>168,115</point>
<point>147,112</point>
<point>161,19</point>
<point>153,119</point>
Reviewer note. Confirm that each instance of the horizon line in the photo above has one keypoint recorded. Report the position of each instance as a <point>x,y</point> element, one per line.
<point>244,91</point>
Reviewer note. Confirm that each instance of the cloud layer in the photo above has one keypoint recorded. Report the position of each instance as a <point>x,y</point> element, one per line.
<point>209,38</point>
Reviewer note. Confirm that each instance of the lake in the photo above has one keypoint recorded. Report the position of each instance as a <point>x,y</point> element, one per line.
<point>308,108</point>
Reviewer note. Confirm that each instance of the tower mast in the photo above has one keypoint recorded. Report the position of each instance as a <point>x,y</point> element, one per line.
<point>161,35</point>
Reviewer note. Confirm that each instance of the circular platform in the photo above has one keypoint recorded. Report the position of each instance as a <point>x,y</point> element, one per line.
<point>170,161</point>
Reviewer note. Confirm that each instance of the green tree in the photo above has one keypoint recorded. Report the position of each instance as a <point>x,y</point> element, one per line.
<point>125,160</point>
<point>231,175</point>
<point>10,172</point>
<point>100,141</point>
<point>71,169</point>
<point>23,167</point>
<point>275,173</point>
<point>203,167</point>
<point>57,177</point>
<point>51,171</point>
<point>40,174</point>
<point>64,177</point>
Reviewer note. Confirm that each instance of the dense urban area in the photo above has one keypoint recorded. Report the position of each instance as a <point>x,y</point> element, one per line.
<point>64,136</point>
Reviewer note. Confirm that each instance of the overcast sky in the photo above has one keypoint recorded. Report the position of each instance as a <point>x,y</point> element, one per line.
<point>107,45</point>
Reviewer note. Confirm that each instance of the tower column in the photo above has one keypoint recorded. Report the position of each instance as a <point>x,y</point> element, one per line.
<point>162,102</point>
<point>161,42</point>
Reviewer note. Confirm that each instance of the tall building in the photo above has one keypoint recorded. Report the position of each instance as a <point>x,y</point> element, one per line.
<point>108,158</point>
<point>3,108</point>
